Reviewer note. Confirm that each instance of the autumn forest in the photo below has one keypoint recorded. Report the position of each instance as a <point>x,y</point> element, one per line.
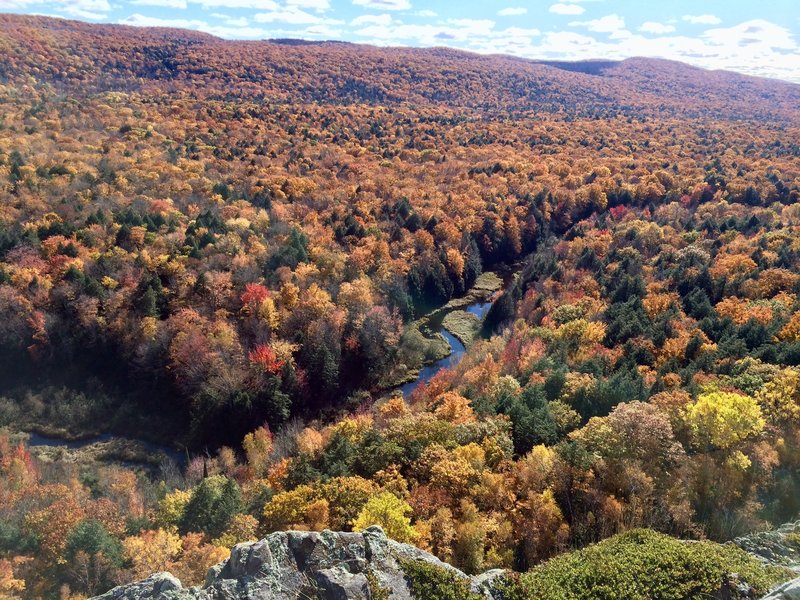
<point>229,249</point>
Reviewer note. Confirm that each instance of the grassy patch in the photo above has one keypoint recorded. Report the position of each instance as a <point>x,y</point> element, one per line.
<point>644,565</point>
<point>486,285</point>
<point>416,350</point>
<point>463,325</point>
<point>488,282</point>
<point>132,453</point>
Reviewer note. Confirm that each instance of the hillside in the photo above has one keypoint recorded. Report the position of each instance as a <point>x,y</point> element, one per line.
<point>113,57</point>
<point>259,254</point>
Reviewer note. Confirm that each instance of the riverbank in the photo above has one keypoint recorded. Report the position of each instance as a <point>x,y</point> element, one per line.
<point>103,448</point>
<point>442,344</point>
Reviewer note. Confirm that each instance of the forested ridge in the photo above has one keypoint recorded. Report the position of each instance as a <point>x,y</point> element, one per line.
<point>226,243</point>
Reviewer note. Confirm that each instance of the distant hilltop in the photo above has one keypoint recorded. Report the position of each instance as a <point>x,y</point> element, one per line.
<point>89,58</point>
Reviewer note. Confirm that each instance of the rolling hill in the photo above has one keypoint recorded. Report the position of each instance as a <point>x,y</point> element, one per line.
<point>87,57</point>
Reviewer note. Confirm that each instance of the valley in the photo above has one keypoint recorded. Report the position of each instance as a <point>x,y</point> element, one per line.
<point>536,318</point>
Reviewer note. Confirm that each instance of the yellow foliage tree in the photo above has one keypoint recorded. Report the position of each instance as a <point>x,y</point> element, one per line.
<point>287,510</point>
<point>151,551</point>
<point>454,408</point>
<point>779,397</point>
<point>257,447</point>
<point>310,441</point>
<point>540,526</point>
<point>791,331</point>
<point>170,509</point>
<point>346,497</point>
<point>242,528</point>
<point>723,419</point>
<point>196,559</point>
<point>11,587</point>
<point>391,513</point>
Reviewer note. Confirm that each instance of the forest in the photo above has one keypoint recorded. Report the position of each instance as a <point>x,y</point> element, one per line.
<point>227,244</point>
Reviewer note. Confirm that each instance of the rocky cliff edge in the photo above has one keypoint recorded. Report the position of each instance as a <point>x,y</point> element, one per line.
<point>309,565</point>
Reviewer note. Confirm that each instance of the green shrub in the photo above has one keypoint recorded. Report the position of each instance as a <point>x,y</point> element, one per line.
<point>428,581</point>
<point>376,590</point>
<point>644,565</point>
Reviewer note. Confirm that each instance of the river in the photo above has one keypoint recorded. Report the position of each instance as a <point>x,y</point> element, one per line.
<point>480,309</point>
<point>111,448</point>
<point>457,350</point>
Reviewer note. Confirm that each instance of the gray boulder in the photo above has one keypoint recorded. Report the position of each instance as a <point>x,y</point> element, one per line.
<point>289,565</point>
<point>160,586</point>
<point>787,591</point>
<point>779,547</point>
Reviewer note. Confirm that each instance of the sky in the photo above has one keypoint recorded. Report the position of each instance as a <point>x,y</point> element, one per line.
<point>749,36</point>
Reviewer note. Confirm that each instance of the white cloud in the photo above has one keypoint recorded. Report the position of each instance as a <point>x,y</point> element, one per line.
<point>293,16</point>
<point>758,35</point>
<point>312,32</point>
<point>318,5</point>
<point>479,35</point>
<point>757,47</point>
<point>251,4</point>
<point>384,4</point>
<point>385,20</point>
<point>91,10</point>
<point>567,9</point>
<point>519,32</point>
<point>656,28</point>
<point>702,19</point>
<point>315,32</point>
<point>318,31</point>
<point>238,22</point>
<point>484,25</point>
<point>512,12</point>
<point>608,24</point>
<point>138,20</point>
<point>270,5</point>
<point>164,3</point>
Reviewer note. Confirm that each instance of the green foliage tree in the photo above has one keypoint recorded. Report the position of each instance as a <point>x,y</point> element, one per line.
<point>212,506</point>
<point>92,557</point>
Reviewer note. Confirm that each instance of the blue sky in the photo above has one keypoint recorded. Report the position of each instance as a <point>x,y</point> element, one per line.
<point>758,38</point>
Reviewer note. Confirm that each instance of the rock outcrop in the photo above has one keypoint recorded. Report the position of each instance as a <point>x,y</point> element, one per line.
<point>287,565</point>
<point>778,547</point>
<point>787,591</point>
<point>309,565</point>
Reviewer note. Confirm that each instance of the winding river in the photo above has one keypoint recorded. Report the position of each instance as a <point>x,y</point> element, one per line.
<point>108,444</point>
<point>457,350</point>
<point>479,309</point>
